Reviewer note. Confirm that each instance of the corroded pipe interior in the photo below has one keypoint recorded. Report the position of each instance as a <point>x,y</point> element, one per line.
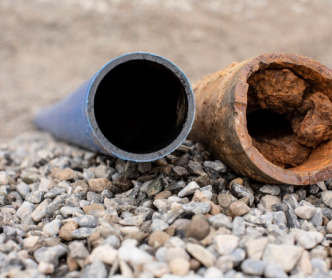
<point>140,106</point>
<point>289,116</point>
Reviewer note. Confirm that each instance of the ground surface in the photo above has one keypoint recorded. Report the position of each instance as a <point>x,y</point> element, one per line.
<point>48,48</point>
<point>66,212</point>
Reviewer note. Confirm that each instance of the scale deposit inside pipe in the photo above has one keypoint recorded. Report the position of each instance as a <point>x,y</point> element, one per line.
<point>287,117</point>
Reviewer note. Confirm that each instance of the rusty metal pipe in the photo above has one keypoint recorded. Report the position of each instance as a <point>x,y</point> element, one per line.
<point>138,107</point>
<point>227,100</point>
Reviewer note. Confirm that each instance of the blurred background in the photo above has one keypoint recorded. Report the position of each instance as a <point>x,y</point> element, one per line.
<point>48,48</point>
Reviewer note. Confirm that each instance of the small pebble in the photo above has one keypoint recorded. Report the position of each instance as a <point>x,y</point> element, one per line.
<point>216,165</point>
<point>268,200</point>
<point>133,221</point>
<point>82,233</point>
<point>274,271</point>
<point>105,253</point>
<point>158,225</point>
<point>189,189</point>
<point>158,239</point>
<point>66,174</point>
<point>307,240</point>
<point>255,247</point>
<point>94,270</point>
<point>198,228</point>
<point>201,254</point>
<point>50,255</point>
<point>46,268</point>
<point>213,272</point>
<point>65,232</point>
<point>156,186</point>
<point>52,228</point>
<point>253,267</point>
<point>327,198</point>
<point>329,227</point>
<point>179,266</point>
<point>197,207</point>
<point>238,208</point>
<point>99,184</point>
<point>241,191</point>
<point>23,189</point>
<point>270,189</point>
<point>305,212</point>
<point>225,263</point>
<point>35,196</point>
<point>286,256</point>
<point>225,244</point>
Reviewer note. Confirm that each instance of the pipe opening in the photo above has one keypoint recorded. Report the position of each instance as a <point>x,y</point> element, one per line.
<point>140,106</point>
<point>263,124</point>
<point>289,116</point>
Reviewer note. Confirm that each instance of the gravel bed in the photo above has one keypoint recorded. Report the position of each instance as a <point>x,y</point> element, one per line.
<point>67,212</point>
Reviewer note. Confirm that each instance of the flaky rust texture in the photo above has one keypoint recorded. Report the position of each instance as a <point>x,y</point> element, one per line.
<point>221,118</point>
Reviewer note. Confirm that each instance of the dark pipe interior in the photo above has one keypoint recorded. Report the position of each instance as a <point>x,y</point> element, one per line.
<point>268,125</point>
<point>140,106</point>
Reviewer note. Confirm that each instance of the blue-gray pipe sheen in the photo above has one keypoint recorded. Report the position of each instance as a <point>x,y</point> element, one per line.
<point>138,107</point>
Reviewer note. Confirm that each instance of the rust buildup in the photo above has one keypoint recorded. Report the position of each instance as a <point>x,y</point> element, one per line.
<point>268,118</point>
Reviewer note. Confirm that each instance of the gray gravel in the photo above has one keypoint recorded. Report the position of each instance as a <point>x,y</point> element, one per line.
<point>67,212</point>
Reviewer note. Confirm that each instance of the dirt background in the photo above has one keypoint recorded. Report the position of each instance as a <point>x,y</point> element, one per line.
<point>48,48</point>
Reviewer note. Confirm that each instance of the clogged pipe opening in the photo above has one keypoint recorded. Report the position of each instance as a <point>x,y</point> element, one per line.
<point>268,118</point>
<point>266,124</point>
<point>289,116</point>
<point>141,106</point>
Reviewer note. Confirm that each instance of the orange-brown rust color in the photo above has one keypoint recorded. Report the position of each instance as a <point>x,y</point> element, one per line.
<point>283,151</point>
<point>280,91</point>
<point>221,118</point>
<point>313,120</point>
